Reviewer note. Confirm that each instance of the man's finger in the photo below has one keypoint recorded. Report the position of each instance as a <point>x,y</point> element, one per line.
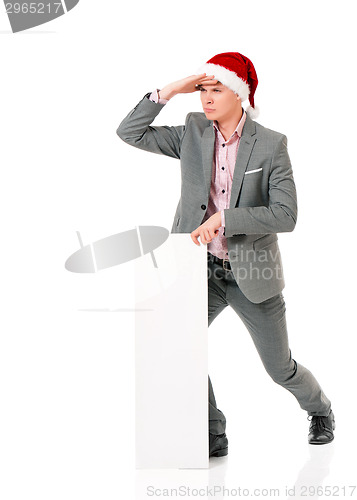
<point>194,235</point>
<point>201,235</point>
<point>209,78</point>
<point>206,237</point>
<point>209,82</point>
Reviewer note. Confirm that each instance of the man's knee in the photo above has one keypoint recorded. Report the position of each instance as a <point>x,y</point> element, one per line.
<point>282,374</point>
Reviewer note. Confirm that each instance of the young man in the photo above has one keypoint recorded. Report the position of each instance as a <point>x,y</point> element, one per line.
<point>237,192</point>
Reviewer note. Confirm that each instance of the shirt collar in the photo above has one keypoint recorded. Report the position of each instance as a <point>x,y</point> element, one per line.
<point>238,129</point>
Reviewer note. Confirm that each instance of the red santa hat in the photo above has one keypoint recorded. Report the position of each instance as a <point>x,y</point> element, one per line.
<point>236,72</point>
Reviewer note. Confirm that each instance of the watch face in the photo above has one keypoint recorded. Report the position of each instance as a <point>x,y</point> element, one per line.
<point>27,14</point>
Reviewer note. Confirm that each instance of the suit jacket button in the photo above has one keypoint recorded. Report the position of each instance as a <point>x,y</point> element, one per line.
<point>203,207</point>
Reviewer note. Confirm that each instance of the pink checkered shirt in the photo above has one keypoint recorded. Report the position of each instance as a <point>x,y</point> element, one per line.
<point>224,159</point>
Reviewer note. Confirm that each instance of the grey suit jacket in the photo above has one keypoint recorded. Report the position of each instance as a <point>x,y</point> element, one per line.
<point>263,197</point>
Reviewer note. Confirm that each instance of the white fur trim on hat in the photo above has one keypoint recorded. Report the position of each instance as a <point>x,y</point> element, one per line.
<point>228,78</point>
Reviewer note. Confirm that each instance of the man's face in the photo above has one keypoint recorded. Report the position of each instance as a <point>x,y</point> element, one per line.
<point>219,102</point>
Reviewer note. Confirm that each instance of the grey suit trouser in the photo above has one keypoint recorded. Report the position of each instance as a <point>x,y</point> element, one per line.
<point>266,324</point>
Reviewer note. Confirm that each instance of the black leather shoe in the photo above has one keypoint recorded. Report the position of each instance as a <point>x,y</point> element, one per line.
<point>218,445</point>
<point>321,429</point>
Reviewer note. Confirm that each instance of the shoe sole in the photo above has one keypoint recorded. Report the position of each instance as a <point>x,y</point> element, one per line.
<point>220,453</point>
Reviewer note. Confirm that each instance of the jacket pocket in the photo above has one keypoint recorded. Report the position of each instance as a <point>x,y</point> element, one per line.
<point>253,171</point>
<point>264,241</point>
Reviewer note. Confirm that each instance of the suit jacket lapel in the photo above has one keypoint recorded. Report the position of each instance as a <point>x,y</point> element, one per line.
<point>207,143</point>
<point>244,151</point>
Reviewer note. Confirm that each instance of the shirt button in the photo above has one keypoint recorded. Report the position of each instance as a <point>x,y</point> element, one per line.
<point>223,191</point>
<point>203,207</point>
<point>223,145</point>
<point>222,168</point>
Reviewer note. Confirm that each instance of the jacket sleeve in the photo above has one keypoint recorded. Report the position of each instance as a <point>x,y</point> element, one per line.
<point>137,131</point>
<point>281,213</point>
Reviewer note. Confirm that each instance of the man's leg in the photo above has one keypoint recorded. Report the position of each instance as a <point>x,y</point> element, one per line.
<point>266,324</point>
<point>216,304</point>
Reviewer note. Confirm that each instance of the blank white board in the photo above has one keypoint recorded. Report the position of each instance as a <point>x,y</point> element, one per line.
<point>171,356</point>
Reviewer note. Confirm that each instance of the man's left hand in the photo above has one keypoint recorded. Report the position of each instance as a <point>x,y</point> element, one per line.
<point>207,231</point>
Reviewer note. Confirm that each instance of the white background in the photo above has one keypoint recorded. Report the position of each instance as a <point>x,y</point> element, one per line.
<point>67,384</point>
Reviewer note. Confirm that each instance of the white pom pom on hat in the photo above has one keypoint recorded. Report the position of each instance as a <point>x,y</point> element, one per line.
<point>236,72</point>
<point>253,113</point>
